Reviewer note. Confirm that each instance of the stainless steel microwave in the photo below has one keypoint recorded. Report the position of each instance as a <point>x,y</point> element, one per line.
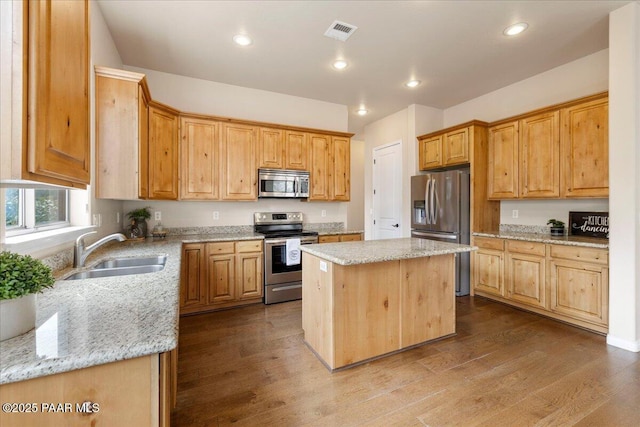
<point>283,183</point>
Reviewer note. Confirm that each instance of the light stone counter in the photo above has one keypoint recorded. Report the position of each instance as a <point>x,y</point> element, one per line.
<point>589,242</point>
<point>371,251</point>
<point>82,323</point>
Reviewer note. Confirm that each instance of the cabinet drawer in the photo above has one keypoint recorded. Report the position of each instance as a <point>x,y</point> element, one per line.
<point>532,248</point>
<point>249,246</point>
<point>600,256</point>
<point>350,237</point>
<point>489,243</point>
<point>328,239</point>
<point>220,248</point>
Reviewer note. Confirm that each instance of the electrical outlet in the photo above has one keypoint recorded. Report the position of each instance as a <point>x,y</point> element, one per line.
<point>514,213</point>
<point>117,217</point>
<point>97,220</point>
<point>323,213</point>
<point>158,216</point>
<point>216,215</point>
<point>323,266</point>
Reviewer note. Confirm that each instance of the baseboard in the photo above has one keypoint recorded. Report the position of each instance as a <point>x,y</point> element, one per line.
<point>623,344</point>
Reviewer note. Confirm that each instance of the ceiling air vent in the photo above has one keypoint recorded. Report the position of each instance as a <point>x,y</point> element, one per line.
<point>340,31</point>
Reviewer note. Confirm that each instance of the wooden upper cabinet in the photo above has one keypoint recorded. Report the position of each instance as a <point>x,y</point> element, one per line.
<point>341,185</point>
<point>122,141</point>
<point>239,172</point>
<point>271,151</point>
<point>57,143</point>
<point>320,167</point>
<point>199,159</point>
<point>296,150</point>
<point>430,152</point>
<point>455,147</point>
<point>503,161</point>
<point>539,151</point>
<point>585,149</point>
<point>163,153</point>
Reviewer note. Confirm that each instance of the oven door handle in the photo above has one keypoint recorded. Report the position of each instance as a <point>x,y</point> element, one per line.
<point>283,241</point>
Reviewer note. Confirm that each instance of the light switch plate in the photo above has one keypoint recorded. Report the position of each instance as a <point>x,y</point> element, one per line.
<point>323,266</point>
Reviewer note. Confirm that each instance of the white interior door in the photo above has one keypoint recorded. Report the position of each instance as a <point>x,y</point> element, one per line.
<point>387,190</point>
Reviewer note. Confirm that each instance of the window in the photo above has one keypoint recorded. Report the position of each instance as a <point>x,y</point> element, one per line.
<point>32,210</point>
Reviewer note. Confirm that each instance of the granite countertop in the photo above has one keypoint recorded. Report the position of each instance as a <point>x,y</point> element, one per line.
<point>589,242</point>
<point>370,251</point>
<point>82,323</point>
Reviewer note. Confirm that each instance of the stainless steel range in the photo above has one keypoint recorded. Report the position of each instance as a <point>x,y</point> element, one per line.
<point>282,257</point>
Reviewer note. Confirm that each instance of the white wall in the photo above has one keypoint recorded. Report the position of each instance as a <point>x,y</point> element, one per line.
<point>103,52</point>
<point>206,97</point>
<point>355,208</point>
<point>582,77</point>
<point>405,125</point>
<point>624,177</point>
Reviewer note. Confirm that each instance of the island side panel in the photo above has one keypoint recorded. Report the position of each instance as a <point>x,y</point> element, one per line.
<point>317,307</point>
<point>427,299</point>
<point>366,310</point>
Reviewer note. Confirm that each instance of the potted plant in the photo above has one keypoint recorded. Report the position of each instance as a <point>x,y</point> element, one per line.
<point>138,227</point>
<point>557,227</point>
<point>21,277</point>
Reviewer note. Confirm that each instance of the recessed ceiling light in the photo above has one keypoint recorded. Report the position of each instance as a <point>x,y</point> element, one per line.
<point>340,64</point>
<point>515,29</point>
<point>242,39</point>
<point>362,111</point>
<point>412,83</point>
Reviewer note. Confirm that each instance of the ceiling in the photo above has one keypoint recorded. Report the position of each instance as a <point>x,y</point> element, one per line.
<point>455,48</point>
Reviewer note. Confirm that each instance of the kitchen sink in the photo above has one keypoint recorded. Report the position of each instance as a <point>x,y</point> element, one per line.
<point>131,262</point>
<point>122,267</point>
<point>111,272</point>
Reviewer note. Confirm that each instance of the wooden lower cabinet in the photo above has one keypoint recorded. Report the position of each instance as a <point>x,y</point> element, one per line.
<point>488,274</point>
<point>333,238</point>
<point>567,283</point>
<point>525,273</point>
<point>220,275</point>
<point>132,392</point>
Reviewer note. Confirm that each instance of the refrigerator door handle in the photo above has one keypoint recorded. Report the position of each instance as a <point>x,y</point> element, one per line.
<point>432,201</point>
<point>427,208</point>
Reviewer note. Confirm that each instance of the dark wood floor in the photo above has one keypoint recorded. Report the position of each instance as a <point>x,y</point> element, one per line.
<point>505,367</point>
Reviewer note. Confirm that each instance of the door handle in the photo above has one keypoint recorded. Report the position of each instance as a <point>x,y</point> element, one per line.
<point>395,225</point>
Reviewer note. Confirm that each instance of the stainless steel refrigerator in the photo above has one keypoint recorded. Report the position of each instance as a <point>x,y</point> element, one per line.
<point>440,211</point>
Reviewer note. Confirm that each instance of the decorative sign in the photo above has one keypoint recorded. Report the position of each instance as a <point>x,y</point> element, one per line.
<point>594,224</point>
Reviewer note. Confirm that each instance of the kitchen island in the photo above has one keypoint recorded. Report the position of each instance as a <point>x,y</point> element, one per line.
<point>362,300</point>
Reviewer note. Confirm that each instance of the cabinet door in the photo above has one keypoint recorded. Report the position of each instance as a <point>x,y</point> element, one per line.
<point>192,282</point>
<point>58,82</point>
<point>319,159</point>
<point>539,151</point>
<point>143,144</point>
<point>221,278</point>
<point>163,154</point>
<point>585,149</point>
<point>580,290</point>
<point>488,268</point>
<point>340,190</point>
<point>503,161</point>
<point>296,150</point>
<point>430,152</point>
<point>200,149</point>
<point>455,147</point>
<point>239,162</point>
<point>249,275</point>
<point>271,148</point>
<point>526,279</point>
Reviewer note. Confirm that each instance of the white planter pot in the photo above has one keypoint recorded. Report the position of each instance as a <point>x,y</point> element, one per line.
<point>17,316</point>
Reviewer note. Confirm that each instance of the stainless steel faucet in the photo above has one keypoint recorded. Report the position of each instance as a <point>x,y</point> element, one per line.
<point>81,253</point>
